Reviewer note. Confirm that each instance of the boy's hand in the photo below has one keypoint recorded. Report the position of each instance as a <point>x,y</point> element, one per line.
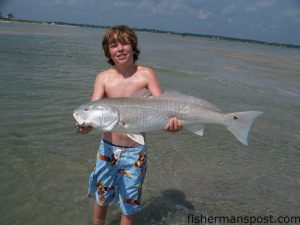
<point>84,130</point>
<point>173,125</point>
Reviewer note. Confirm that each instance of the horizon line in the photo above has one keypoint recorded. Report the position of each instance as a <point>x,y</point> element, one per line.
<point>210,36</point>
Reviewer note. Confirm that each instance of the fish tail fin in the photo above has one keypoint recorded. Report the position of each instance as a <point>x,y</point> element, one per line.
<point>240,123</point>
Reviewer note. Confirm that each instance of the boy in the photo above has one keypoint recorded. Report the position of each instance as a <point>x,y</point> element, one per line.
<point>121,162</point>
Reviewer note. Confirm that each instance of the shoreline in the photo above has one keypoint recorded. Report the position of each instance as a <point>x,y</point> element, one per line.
<point>216,37</point>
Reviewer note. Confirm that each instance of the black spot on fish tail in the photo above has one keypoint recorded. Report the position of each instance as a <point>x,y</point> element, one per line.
<point>235,118</point>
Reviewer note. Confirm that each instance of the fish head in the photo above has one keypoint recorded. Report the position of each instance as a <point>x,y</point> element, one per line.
<point>100,116</point>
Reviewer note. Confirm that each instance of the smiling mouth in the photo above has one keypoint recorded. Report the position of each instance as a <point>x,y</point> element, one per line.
<point>122,56</point>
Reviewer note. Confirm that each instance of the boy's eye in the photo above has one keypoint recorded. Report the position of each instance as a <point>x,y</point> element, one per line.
<point>114,45</point>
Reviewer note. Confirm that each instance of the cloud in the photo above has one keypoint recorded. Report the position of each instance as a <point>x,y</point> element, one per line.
<point>3,2</point>
<point>249,19</point>
<point>149,7</point>
<point>291,13</point>
<point>203,15</point>
<point>178,8</point>
<point>121,4</point>
<point>251,9</point>
<point>229,9</point>
<point>229,20</point>
<point>163,6</point>
<point>265,3</point>
<point>256,26</point>
<point>260,5</point>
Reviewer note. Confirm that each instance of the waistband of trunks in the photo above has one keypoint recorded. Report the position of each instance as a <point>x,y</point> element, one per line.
<point>120,146</point>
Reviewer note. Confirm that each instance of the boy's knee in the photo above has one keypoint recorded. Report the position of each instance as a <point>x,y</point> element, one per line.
<point>99,222</point>
<point>127,219</point>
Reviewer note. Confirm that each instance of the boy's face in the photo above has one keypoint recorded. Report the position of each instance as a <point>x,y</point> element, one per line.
<point>121,51</point>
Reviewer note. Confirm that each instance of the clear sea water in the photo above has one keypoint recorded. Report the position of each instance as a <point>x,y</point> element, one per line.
<point>47,71</point>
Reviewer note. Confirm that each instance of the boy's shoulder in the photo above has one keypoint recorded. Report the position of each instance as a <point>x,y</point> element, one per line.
<point>146,71</point>
<point>106,74</point>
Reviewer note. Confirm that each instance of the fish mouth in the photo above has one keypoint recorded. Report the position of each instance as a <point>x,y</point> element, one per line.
<point>79,120</point>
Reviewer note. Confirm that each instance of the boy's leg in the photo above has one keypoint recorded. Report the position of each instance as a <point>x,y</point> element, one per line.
<point>130,180</point>
<point>127,220</point>
<point>99,213</point>
<point>102,182</point>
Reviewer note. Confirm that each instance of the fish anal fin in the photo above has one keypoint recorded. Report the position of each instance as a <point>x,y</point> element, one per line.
<point>139,138</point>
<point>195,128</point>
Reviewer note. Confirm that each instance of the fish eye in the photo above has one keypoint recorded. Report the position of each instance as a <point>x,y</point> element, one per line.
<point>86,109</point>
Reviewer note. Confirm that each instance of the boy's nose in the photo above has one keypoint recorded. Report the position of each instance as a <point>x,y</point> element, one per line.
<point>120,46</point>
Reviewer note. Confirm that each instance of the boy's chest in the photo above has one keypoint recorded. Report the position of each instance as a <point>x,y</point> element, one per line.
<point>124,87</point>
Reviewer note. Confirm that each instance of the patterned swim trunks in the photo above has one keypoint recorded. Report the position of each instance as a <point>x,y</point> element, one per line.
<point>119,176</point>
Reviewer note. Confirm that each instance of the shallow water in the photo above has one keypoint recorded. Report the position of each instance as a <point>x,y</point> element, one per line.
<point>47,71</point>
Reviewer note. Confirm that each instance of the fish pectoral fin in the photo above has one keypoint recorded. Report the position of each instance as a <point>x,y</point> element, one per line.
<point>110,126</point>
<point>195,128</point>
<point>139,138</point>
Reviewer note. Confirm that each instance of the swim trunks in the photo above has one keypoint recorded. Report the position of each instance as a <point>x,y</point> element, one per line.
<point>119,176</point>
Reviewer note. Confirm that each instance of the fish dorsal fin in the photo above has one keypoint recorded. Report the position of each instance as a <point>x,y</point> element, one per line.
<point>190,99</point>
<point>144,93</point>
<point>195,128</point>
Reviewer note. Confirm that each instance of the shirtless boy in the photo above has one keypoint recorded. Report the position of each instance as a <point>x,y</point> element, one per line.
<point>121,162</point>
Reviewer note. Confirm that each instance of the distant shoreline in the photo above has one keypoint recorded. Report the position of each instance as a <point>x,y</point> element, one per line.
<point>154,31</point>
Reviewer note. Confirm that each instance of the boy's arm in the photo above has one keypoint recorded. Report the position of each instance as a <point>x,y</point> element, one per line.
<point>174,124</point>
<point>98,93</point>
<point>98,87</point>
<point>153,83</point>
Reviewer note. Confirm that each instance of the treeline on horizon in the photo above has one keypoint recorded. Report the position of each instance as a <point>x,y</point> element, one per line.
<point>156,31</point>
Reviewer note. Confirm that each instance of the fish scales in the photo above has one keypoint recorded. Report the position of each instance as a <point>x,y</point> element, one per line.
<point>141,114</point>
<point>133,115</point>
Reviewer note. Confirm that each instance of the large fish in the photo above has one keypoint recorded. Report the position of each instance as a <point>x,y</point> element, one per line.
<point>143,112</point>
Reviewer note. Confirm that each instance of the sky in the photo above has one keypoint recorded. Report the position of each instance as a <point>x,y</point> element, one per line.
<point>265,20</point>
